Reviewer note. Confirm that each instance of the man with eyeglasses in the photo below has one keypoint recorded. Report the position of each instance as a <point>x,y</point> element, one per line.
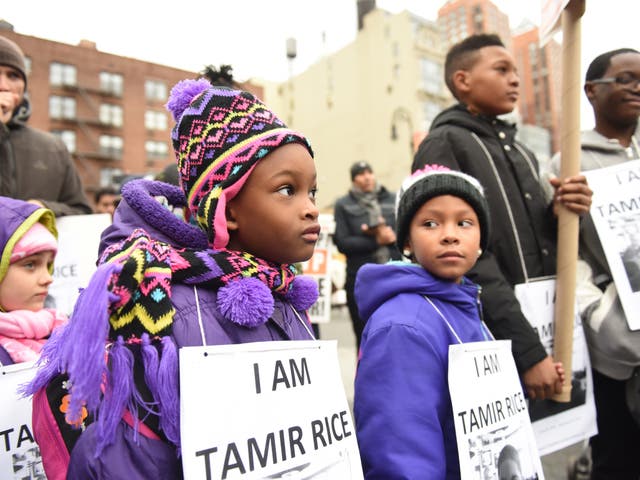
<point>612,85</point>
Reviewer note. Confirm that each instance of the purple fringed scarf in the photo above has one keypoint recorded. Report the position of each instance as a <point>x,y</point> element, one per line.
<point>128,303</point>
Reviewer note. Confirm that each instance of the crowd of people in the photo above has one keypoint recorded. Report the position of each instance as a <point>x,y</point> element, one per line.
<point>220,234</point>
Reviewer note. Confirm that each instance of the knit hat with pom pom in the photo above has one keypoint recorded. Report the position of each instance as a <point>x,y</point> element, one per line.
<point>219,136</point>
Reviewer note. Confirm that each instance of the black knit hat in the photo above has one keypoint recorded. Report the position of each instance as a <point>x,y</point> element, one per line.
<point>433,181</point>
<point>359,167</point>
<point>12,56</point>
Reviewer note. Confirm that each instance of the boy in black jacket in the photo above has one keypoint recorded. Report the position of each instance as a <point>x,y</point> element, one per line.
<point>482,76</point>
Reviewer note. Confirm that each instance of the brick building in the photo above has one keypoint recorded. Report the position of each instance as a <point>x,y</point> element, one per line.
<point>460,18</point>
<point>109,110</point>
<point>539,102</point>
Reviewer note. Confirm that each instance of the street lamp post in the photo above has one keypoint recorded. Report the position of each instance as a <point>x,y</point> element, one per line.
<point>292,53</point>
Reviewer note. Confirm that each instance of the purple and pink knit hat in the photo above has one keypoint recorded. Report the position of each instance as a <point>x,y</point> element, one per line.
<point>219,136</point>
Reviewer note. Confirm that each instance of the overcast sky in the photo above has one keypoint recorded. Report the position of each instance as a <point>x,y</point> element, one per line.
<point>251,34</point>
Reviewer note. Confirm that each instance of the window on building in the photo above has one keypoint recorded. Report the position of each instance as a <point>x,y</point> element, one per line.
<point>155,90</point>
<point>62,107</point>
<point>543,57</point>
<point>27,65</point>
<point>68,137</point>
<point>396,71</point>
<point>154,120</point>
<point>62,74</point>
<point>111,83</point>
<point>533,55</point>
<point>431,75</point>
<point>477,18</point>
<point>429,110</point>
<point>156,150</point>
<point>111,146</point>
<point>111,115</point>
<point>110,176</point>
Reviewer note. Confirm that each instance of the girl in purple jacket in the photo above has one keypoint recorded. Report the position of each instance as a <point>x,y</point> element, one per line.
<point>211,262</point>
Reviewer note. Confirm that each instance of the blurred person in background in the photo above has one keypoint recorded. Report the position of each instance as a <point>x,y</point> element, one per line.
<point>365,224</point>
<point>34,165</point>
<point>106,200</point>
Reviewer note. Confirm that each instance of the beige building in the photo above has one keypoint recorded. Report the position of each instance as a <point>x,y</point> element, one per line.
<point>373,100</point>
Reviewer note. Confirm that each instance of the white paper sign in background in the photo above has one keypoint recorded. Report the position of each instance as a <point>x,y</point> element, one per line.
<point>615,210</point>
<point>19,454</point>
<point>266,410</point>
<point>558,425</point>
<point>78,240</point>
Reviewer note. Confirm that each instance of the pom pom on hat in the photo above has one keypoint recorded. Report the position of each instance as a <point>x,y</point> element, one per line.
<point>219,136</point>
<point>183,93</point>
<point>432,181</point>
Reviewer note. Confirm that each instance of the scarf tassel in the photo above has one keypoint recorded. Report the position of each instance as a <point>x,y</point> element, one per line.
<point>118,394</point>
<point>168,386</point>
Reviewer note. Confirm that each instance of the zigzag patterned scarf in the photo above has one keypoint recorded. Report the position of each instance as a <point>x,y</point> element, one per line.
<point>149,267</point>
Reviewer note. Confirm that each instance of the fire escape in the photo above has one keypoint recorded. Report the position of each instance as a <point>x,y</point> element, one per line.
<point>90,156</point>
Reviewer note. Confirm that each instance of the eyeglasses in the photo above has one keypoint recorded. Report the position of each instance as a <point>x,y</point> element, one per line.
<point>624,80</point>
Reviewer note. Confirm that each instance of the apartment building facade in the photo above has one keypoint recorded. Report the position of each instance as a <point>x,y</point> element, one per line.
<point>108,109</point>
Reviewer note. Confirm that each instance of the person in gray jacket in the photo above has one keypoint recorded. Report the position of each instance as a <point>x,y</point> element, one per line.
<point>612,85</point>
<point>34,165</point>
<point>365,231</point>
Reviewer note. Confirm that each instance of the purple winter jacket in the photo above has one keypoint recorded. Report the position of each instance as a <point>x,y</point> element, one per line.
<point>145,457</point>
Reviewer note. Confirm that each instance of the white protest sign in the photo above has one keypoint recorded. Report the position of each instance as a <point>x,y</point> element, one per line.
<point>78,241</point>
<point>19,454</point>
<point>551,11</point>
<point>492,423</point>
<point>266,410</point>
<point>615,210</point>
<point>318,267</point>
<point>558,425</point>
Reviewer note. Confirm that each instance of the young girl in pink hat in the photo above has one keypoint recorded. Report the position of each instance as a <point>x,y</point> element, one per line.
<point>28,247</point>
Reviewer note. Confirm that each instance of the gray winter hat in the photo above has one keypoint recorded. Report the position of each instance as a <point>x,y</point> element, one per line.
<point>432,181</point>
<point>12,56</point>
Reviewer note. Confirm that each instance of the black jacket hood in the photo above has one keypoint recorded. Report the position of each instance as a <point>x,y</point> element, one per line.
<point>483,125</point>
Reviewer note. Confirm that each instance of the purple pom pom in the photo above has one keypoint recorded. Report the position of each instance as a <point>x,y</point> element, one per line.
<point>246,302</point>
<point>303,293</point>
<point>183,93</point>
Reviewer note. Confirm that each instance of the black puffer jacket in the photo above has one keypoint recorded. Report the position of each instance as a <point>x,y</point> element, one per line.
<point>523,228</point>
<point>37,165</point>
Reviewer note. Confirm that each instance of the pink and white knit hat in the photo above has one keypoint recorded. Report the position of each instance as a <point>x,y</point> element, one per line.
<point>37,239</point>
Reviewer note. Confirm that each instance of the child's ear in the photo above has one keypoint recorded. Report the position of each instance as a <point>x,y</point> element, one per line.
<point>460,80</point>
<point>229,212</point>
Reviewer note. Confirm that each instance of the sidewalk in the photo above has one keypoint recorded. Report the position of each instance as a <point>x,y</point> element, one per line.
<point>554,465</point>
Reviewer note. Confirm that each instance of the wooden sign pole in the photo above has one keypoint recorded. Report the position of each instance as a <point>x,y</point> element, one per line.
<point>568,222</point>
